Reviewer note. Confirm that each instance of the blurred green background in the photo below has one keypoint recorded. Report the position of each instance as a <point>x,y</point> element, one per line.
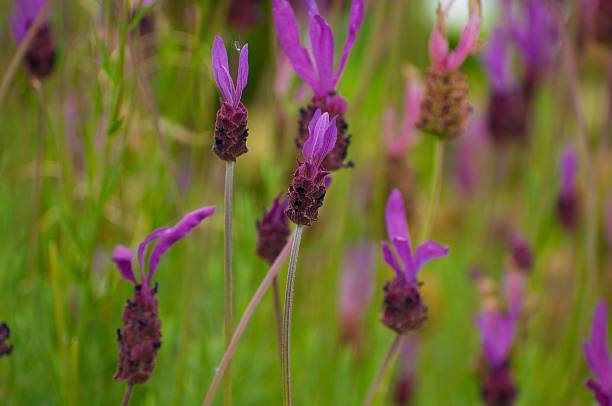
<point>83,169</point>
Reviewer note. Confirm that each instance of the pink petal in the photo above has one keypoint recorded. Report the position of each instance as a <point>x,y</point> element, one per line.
<point>438,48</point>
<point>467,43</point>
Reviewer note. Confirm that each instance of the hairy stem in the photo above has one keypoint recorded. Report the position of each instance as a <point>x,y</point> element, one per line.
<point>436,186</point>
<point>381,370</point>
<point>278,316</point>
<point>229,352</point>
<point>286,331</point>
<point>128,395</point>
<point>229,300</point>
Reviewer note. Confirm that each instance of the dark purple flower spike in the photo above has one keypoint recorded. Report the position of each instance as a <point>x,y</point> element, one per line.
<point>231,123</point>
<point>5,333</point>
<point>40,55</point>
<point>445,107</point>
<point>522,254</point>
<point>403,309</point>
<point>140,337</point>
<point>318,70</point>
<point>310,180</point>
<point>273,230</point>
<point>567,201</point>
<point>598,357</point>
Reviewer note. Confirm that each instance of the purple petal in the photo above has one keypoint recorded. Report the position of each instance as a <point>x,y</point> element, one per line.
<point>122,257</point>
<point>390,260</point>
<point>427,251</point>
<point>395,216</point>
<point>313,121</point>
<point>24,13</point>
<point>243,72</point>
<point>497,334</point>
<point>402,247</point>
<point>514,289</point>
<point>321,140</point>
<point>221,70</point>
<point>327,181</point>
<point>142,247</point>
<point>567,168</point>
<point>467,43</point>
<point>355,20</point>
<point>289,37</point>
<point>596,350</point>
<point>495,59</point>
<point>438,47</point>
<point>322,44</point>
<point>175,234</point>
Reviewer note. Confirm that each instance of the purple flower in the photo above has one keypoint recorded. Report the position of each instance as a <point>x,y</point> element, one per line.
<point>310,180</point>
<point>356,289</point>
<point>522,254</point>
<point>231,123</point>
<point>273,230</point>
<point>5,334</point>
<point>316,70</point>
<point>40,55</point>
<point>598,358</point>
<point>567,202</point>
<point>140,337</point>
<point>403,309</point>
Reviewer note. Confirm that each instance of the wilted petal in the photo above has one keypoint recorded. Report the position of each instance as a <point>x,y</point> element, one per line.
<point>175,234</point>
<point>395,216</point>
<point>596,350</point>
<point>221,70</point>
<point>122,257</point>
<point>426,252</point>
<point>289,37</point>
<point>322,44</point>
<point>243,72</point>
<point>467,43</point>
<point>355,20</point>
<point>142,247</point>
<point>390,259</point>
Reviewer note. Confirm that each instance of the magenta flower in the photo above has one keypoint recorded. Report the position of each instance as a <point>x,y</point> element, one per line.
<point>40,55</point>
<point>273,230</point>
<point>140,337</point>
<point>231,123</point>
<point>310,180</point>
<point>316,68</point>
<point>598,358</point>
<point>356,289</point>
<point>403,309</point>
<point>5,334</point>
<point>398,137</point>
<point>567,201</point>
<point>445,107</point>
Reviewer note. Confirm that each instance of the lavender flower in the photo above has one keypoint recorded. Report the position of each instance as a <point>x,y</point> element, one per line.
<point>40,55</point>
<point>318,70</point>
<point>445,107</point>
<point>310,180</point>
<point>140,337</point>
<point>522,254</point>
<point>567,201</point>
<point>5,333</point>
<point>231,124</point>
<point>598,358</point>
<point>497,330</point>
<point>273,230</point>
<point>403,308</point>
<point>355,290</point>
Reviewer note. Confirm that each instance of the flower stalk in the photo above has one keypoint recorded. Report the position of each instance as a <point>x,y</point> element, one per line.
<point>395,344</point>
<point>128,395</point>
<point>436,186</point>
<point>227,267</point>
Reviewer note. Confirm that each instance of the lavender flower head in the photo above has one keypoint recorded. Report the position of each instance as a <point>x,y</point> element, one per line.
<point>316,68</point>
<point>40,55</point>
<point>497,331</point>
<point>140,337</point>
<point>273,230</point>
<point>5,333</point>
<point>445,106</point>
<point>231,123</point>
<point>598,358</point>
<point>356,289</point>
<point>403,308</point>
<point>567,201</point>
<point>311,180</point>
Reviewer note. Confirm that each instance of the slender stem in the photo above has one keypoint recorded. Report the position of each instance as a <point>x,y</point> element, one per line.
<point>436,186</point>
<point>279,316</point>
<point>128,395</point>
<point>22,49</point>
<point>381,370</point>
<point>286,331</point>
<point>229,300</point>
<point>229,352</point>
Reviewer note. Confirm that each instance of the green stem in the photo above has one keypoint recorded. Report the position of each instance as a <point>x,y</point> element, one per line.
<point>286,331</point>
<point>436,186</point>
<point>381,370</point>
<point>228,199</point>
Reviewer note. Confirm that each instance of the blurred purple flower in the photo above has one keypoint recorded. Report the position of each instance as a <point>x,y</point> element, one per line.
<point>398,138</point>
<point>5,334</point>
<point>40,55</point>
<point>140,337</point>
<point>231,123</point>
<point>403,308</point>
<point>472,149</point>
<point>598,358</point>
<point>310,180</point>
<point>273,230</point>
<point>522,254</point>
<point>244,14</point>
<point>596,20</point>
<point>567,201</point>
<point>356,289</point>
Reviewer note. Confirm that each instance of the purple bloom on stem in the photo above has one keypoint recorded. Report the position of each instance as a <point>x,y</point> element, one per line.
<point>403,308</point>
<point>40,55</point>
<point>567,202</point>
<point>598,358</point>
<point>5,333</point>
<point>231,123</point>
<point>273,230</point>
<point>310,180</point>
<point>140,337</point>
